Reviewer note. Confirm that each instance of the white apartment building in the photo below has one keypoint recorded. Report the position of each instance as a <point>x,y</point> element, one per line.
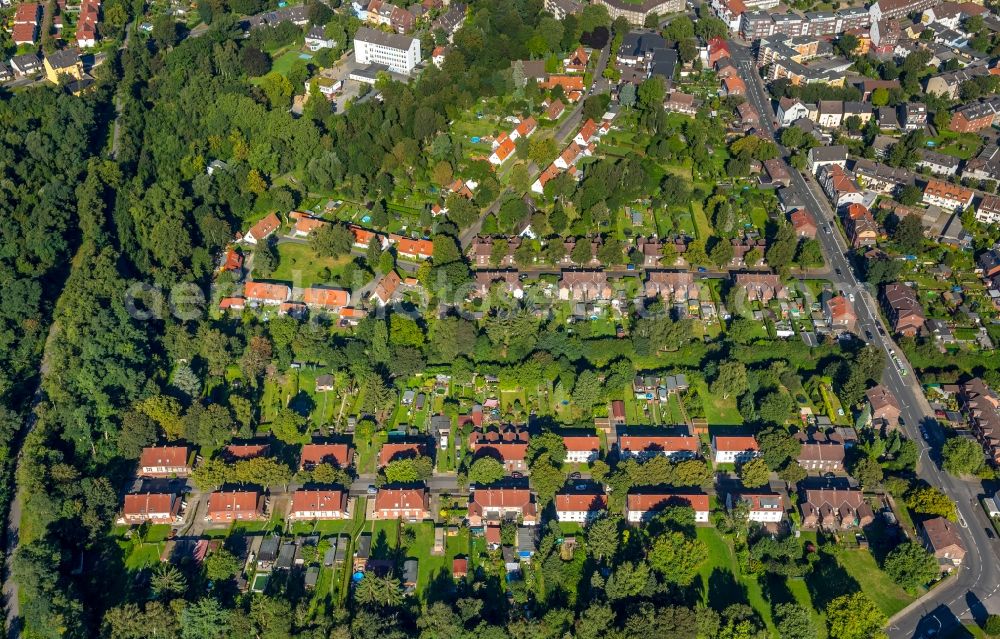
<point>400,53</point>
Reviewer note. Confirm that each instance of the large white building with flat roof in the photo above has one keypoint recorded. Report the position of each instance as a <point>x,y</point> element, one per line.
<point>400,53</point>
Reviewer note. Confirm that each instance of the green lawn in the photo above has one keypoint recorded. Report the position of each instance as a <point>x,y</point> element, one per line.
<point>701,223</point>
<point>719,411</point>
<point>959,145</point>
<point>143,556</point>
<point>860,565</point>
<point>299,264</point>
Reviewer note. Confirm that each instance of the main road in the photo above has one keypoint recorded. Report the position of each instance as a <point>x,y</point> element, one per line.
<point>967,594</point>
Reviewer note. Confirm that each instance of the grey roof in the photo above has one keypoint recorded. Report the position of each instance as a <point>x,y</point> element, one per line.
<point>411,568</point>
<point>836,153</point>
<point>364,546</point>
<point>393,40</point>
<point>63,58</point>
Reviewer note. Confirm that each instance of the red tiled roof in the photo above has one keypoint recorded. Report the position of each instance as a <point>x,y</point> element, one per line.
<point>244,451</point>
<point>266,291</point>
<point>392,451</point>
<point>501,497</point>
<point>227,303</point>
<point>581,502</point>
<point>175,456</point>
<point>401,498</point>
<point>582,443</point>
<point>740,442</point>
<point>233,501</point>
<point>635,443</point>
<point>525,128</point>
<point>23,33</point>
<point>148,504</point>
<point>314,500</point>
<point>325,297</point>
<point>504,150</point>
<point>644,502</point>
<point>339,454</point>
<point>265,227</point>
<point>408,246</point>
<point>27,12</point>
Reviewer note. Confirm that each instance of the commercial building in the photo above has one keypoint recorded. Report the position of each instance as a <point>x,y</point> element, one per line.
<point>399,53</point>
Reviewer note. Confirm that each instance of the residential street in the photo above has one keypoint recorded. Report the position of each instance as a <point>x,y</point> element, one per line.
<point>967,594</point>
<point>563,133</point>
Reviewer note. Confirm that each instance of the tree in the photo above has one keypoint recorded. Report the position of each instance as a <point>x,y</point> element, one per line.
<point>910,195</point>
<point>405,471</point>
<point>868,472</point>
<point>847,44</point>
<point>810,254</point>
<point>992,625</point>
<point>754,473</point>
<point>603,537</point>
<point>777,447</point>
<point>928,500</point>
<point>722,252</point>
<point>627,580</point>
<point>855,616</point>
<point>731,380</point>
<point>880,97</point>
<point>166,412</point>
<point>204,619</point>
<point>167,581</point>
<point>164,31</point>
<point>793,622</point>
<point>332,240</point>
<point>288,426</point>
<point>909,234</point>
<point>582,252</point>
<point>676,557</point>
<point>485,471</point>
<point>221,565</point>
<point>379,591</point>
<point>962,456</point>
<point>185,380</point>
<point>775,407</point>
<point>586,391</point>
<point>910,565</point>
<point>255,62</point>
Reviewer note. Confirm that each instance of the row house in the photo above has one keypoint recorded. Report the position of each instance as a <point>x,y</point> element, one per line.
<point>647,446</point>
<point>903,309</point>
<point>835,509</point>
<point>582,449</point>
<point>988,211</point>
<point>822,456</point>
<point>861,227</point>
<point>25,24</point>
<point>164,461</point>
<point>508,444</point>
<point>584,286</point>
<point>227,506</point>
<point>314,454</point>
<point>508,281</point>
<point>763,508</point>
<point>734,449</point>
<point>938,163</point>
<point>491,505</point>
<point>643,506</point>
<point>677,286</point>
<point>232,453</point>
<point>949,197</point>
<point>742,247</point>
<point>580,507</point>
<point>947,84</point>
<point>651,249</point>
<point>155,508</point>
<point>821,156</point>
<point>981,406</point>
<point>395,451</point>
<point>86,23</point>
<point>839,186</point>
<point>310,504</point>
<point>411,504</point>
<point>266,293</point>
<point>760,287</point>
<point>325,299</point>
<point>684,103</point>
<point>882,177</point>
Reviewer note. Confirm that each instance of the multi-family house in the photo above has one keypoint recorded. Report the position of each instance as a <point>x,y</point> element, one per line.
<point>734,449</point>
<point>950,197</point>
<point>225,506</point>
<point>835,509</point>
<point>580,507</point>
<point>317,504</point>
<point>155,508</point>
<point>164,461</point>
<point>412,504</point>
<point>491,505</point>
<point>647,446</point>
<point>903,309</point>
<point>643,506</point>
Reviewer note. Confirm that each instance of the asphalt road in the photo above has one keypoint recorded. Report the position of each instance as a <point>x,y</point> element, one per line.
<point>568,127</point>
<point>966,595</point>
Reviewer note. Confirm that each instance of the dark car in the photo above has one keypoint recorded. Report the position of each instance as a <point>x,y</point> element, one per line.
<point>575,475</point>
<point>989,533</point>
